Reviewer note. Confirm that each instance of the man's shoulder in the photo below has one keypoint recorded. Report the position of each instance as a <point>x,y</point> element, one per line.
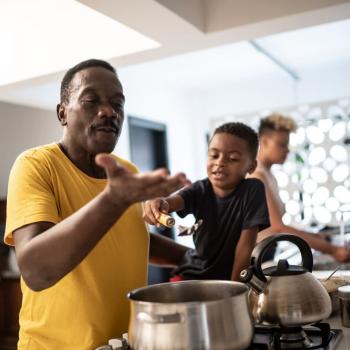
<point>39,153</point>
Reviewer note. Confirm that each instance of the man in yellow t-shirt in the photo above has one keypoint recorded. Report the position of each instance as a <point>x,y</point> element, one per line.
<point>76,222</point>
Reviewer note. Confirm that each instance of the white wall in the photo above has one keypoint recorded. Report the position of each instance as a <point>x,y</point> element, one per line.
<point>155,100</point>
<point>22,128</point>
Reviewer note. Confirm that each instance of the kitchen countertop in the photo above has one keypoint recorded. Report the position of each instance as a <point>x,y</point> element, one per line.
<point>335,322</point>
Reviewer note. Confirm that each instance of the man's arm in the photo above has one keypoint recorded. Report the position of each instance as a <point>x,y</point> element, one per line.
<point>47,252</point>
<point>164,251</point>
<point>243,251</point>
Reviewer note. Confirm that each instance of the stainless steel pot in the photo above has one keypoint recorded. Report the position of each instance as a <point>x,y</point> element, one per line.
<point>190,315</point>
<point>285,295</point>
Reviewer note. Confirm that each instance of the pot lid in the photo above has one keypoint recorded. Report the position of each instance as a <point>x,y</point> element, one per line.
<point>284,269</point>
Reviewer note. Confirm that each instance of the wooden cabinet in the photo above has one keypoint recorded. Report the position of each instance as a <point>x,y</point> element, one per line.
<point>10,296</point>
<point>10,304</point>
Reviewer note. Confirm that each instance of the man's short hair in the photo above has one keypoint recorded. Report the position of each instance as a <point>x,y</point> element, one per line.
<point>68,77</point>
<point>276,122</point>
<point>242,131</point>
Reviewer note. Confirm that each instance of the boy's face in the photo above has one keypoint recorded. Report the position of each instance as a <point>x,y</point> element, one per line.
<point>275,145</point>
<point>229,160</point>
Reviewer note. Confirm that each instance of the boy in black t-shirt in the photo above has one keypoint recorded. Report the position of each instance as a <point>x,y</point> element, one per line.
<point>233,209</point>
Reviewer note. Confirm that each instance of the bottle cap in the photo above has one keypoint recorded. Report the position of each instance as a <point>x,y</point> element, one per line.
<point>344,292</point>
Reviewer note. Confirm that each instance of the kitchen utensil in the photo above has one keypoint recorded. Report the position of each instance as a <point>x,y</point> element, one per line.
<point>335,270</point>
<point>189,315</point>
<point>166,220</point>
<point>285,295</point>
<point>344,299</point>
<point>186,231</point>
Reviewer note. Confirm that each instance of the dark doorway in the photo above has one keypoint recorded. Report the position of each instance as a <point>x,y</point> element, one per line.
<point>148,150</point>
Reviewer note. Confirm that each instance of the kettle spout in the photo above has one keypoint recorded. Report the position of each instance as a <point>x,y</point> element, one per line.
<point>247,276</point>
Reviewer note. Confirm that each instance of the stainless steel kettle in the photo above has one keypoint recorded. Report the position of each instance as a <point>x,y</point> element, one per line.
<point>285,295</point>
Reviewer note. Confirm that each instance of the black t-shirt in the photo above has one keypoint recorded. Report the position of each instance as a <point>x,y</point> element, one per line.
<point>223,221</point>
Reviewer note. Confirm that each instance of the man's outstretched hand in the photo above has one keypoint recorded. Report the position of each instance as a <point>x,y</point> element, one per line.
<point>126,188</point>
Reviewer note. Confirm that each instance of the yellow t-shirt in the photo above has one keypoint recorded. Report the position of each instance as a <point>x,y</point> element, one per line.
<point>89,305</point>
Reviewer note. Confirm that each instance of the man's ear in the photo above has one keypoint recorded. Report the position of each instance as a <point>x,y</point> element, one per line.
<point>61,115</point>
<point>252,167</point>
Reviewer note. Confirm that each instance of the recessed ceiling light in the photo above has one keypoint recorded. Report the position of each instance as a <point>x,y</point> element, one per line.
<point>40,37</point>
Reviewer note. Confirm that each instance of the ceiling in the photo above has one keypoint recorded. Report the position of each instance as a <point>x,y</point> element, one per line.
<point>299,50</point>
<point>193,43</point>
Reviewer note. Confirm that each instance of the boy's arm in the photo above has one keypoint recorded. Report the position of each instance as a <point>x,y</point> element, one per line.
<point>154,207</point>
<point>315,241</point>
<point>243,251</point>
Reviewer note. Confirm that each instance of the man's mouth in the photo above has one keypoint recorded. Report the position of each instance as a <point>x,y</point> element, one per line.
<point>106,129</point>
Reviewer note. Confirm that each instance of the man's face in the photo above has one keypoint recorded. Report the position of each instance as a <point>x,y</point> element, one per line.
<point>229,160</point>
<point>276,147</point>
<point>93,116</point>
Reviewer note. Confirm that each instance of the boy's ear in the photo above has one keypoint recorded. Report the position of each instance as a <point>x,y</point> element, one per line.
<point>263,139</point>
<point>61,115</point>
<point>252,167</point>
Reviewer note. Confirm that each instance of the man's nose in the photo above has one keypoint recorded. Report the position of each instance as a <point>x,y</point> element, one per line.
<point>107,110</point>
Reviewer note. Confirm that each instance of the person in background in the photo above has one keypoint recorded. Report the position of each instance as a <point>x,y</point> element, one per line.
<point>274,131</point>
<point>74,217</point>
<point>232,209</point>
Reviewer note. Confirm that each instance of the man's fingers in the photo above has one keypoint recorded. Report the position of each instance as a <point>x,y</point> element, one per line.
<point>161,176</point>
<point>162,188</point>
<point>109,164</point>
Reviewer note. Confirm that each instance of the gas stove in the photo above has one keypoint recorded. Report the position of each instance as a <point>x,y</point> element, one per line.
<point>318,336</point>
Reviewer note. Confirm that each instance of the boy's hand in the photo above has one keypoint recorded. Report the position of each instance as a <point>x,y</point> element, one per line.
<point>152,210</point>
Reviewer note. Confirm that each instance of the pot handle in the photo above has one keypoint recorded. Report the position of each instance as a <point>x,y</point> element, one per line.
<point>152,318</point>
<point>263,246</point>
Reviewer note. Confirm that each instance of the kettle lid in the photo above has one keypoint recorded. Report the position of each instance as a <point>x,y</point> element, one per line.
<point>284,269</point>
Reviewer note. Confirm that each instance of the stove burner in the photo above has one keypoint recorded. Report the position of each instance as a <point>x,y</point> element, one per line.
<point>318,336</point>
<point>293,338</point>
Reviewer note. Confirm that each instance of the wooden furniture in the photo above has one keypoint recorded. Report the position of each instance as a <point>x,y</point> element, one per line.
<point>10,299</point>
<point>10,303</point>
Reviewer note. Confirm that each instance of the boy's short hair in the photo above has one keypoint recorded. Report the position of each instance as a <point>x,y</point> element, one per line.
<point>276,122</point>
<point>242,131</point>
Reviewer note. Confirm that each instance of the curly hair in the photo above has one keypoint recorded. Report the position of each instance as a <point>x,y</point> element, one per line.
<point>242,131</point>
<point>277,122</point>
<point>68,77</point>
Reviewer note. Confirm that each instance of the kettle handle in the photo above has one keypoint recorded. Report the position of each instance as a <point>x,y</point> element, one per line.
<point>263,246</point>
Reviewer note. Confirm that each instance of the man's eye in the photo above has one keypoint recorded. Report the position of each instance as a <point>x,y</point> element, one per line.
<point>213,156</point>
<point>117,106</point>
<point>89,101</point>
